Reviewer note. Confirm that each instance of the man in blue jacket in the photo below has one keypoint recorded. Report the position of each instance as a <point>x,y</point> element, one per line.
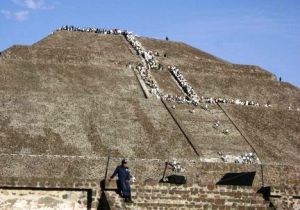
<point>124,178</point>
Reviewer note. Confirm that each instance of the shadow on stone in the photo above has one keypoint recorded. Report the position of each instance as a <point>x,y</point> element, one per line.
<point>103,203</point>
<point>105,185</point>
<point>265,191</point>
<point>238,179</point>
<point>102,184</point>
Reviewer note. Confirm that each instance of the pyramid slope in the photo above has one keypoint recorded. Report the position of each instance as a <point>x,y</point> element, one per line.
<point>78,94</point>
<point>212,77</point>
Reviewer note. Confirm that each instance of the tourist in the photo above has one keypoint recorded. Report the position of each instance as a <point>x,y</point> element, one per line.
<point>149,63</point>
<point>124,178</point>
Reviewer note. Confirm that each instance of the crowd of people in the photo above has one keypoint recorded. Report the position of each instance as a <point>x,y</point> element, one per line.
<point>149,62</point>
<point>147,55</point>
<point>94,30</point>
<point>228,101</point>
<point>176,98</point>
<point>193,97</point>
<point>176,167</point>
<point>145,75</point>
<point>186,87</point>
<point>246,158</point>
<point>152,63</point>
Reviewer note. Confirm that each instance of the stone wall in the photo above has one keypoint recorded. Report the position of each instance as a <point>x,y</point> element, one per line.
<point>86,172</point>
<point>190,196</point>
<point>21,199</point>
<point>281,175</point>
<point>286,197</point>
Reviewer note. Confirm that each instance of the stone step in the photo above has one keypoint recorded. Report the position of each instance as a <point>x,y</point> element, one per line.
<point>166,196</point>
<point>228,195</point>
<point>209,187</point>
<point>199,200</point>
<point>286,190</point>
<point>195,192</point>
<point>210,197</point>
<point>204,206</point>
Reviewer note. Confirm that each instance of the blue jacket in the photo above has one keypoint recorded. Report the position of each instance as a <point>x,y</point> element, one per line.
<point>123,173</point>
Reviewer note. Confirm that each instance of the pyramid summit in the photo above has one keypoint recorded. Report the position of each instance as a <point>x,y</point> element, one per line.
<point>77,102</point>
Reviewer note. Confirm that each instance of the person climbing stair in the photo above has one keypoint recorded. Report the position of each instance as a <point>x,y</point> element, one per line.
<point>124,178</point>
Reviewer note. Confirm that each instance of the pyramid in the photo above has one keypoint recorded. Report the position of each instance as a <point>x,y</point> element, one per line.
<point>78,101</point>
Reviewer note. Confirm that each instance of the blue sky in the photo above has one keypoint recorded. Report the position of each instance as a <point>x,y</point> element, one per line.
<point>261,32</point>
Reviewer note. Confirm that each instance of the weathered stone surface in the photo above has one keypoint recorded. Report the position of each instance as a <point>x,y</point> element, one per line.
<point>72,99</point>
<point>172,197</point>
<point>12,199</point>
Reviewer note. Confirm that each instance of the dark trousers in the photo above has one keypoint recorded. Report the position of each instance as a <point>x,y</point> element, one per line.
<point>125,188</point>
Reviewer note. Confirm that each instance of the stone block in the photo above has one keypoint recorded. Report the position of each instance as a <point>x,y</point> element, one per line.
<point>111,185</point>
<point>219,201</point>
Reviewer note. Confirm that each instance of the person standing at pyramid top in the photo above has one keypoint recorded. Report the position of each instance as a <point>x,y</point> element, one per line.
<point>124,178</point>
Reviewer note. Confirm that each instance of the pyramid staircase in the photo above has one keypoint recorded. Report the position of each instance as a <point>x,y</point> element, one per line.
<point>194,196</point>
